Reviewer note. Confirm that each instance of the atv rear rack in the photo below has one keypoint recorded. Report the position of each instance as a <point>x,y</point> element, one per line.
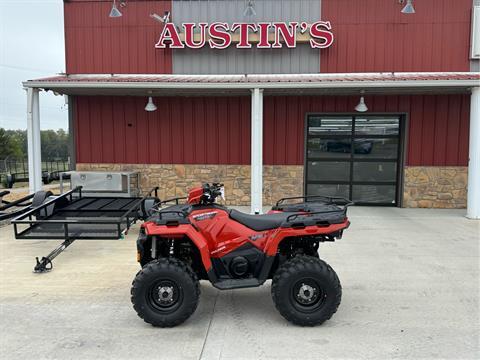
<point>316,210</point>
<point>327,200</point>
<point>71,217</point>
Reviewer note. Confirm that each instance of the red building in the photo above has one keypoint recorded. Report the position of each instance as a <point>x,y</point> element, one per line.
<point>362,99</point>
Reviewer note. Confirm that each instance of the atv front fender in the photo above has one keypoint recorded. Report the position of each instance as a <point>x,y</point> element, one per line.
<point>181,231</point>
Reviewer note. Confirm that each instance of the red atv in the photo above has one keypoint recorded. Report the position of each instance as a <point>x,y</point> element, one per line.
<point>201,240</point>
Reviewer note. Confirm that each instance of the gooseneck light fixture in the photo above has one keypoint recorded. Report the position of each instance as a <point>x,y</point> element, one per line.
<point>361,107</point>
<point>250,9</point>
<point>150,105</point>
<point>115,13</point>
<point>408,8</point>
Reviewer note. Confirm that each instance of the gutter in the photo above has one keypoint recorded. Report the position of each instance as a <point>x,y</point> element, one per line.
<point>51,85</point>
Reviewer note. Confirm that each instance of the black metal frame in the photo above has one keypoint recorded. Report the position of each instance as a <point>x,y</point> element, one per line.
<point>341,203</point>
<point>177,199</point>
<point>330,200</point>
<point>128,218</point>
<point>351,160</point>
<point>122,222</point>
<point>22,206</point>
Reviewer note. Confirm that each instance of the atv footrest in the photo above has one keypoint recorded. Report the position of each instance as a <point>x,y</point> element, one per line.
<point>237,283</point>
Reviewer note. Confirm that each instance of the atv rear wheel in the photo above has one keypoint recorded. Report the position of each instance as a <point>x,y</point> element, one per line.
<point>306,291</point>
<point>165,292</point>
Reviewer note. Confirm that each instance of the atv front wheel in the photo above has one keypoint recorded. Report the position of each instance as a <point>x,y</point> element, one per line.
<point>306,291</point>
<point>165,292</point>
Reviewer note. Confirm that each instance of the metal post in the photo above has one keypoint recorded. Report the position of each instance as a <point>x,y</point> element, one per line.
<point>33,140</point>
<point>31,183</point>
<point>257,151</point>
<point>473,197</point>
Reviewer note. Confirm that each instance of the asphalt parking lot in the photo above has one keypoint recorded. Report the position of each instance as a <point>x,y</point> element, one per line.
<point>410,290</point>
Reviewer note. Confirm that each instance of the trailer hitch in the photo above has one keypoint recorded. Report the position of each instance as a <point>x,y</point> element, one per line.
<point>45,264</point>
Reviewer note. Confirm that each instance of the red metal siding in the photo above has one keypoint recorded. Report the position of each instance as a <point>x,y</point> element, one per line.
<point>374,36</point>
<point>216,130</point>
<point>96,43</point>
<point>198,130</point>
<point>437,125</point>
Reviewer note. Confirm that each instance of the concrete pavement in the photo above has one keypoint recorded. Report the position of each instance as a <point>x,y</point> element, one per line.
<point>410,290</point>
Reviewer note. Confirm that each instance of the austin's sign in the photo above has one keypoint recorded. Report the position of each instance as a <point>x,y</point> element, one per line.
<point>263,35</point>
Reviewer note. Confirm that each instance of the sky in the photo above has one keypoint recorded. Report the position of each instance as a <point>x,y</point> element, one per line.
<point>31,46</point>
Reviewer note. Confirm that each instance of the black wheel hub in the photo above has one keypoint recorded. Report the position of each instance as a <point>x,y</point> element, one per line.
<point>165,296</point>
<point>307,295</point>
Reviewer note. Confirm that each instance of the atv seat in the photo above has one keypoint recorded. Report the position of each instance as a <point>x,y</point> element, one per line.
<point>259,222</point>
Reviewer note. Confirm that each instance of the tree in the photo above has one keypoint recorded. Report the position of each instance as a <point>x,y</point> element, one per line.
<point>13,143</point>
<point>54,144</point>
<point>10,146</point>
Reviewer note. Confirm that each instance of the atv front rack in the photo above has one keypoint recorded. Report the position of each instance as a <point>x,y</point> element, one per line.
<point>176,200</point>
<point>171,217</point>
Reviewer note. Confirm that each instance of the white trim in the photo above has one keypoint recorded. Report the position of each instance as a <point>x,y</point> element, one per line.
<point>475,42</point>
<point>473,196</point>
<point>247,86</point>
<point>31,183</point>
<point>257,152</point>
<point>33,141</point>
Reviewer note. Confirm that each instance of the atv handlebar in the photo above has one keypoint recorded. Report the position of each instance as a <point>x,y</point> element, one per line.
<point>211,192</point>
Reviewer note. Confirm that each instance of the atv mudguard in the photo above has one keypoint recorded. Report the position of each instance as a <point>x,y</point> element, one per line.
<point>181,231</point>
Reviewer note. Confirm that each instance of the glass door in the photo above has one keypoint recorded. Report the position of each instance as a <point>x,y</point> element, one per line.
<point>356,157</point>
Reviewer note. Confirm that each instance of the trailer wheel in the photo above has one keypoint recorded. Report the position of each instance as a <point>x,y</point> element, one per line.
<point>306,291</point>
<point>165,292</point>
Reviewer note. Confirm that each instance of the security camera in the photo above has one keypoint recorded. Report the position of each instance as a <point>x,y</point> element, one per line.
<point>163,19</point>
<point>166,17</point>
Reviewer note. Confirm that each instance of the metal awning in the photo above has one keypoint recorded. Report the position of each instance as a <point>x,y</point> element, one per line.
<point>257,86</point>
<point>272,84</point>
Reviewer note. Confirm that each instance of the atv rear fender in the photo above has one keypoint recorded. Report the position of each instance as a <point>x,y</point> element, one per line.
<point>280,234</point>
<point>181,231</point>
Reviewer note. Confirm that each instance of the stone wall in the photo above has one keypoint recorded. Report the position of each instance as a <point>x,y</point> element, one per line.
<point>435,187</point>
<point>425,187</point>
<point>175,180</point>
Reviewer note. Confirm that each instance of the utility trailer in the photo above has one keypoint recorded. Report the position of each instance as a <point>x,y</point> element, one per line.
<point>73,216</point>
<point>11,209</point>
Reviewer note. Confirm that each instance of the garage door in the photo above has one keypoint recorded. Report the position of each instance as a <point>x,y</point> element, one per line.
<point>354,156</point>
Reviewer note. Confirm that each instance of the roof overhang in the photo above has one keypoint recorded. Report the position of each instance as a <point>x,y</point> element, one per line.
<point>273,84</point>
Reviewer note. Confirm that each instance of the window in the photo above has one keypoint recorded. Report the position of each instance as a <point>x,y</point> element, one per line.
<point>355,156</point>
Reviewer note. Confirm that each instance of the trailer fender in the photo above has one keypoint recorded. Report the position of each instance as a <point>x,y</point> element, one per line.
<point>39,199</point>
